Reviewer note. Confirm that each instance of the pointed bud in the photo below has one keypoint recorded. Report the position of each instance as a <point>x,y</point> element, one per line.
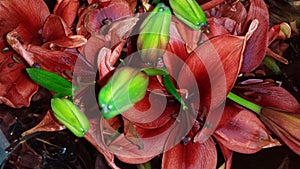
<point>285,125</point>
<point>154,33</point>
<point>189,12</point>
<point>70,115</point>
<point>126,87</point>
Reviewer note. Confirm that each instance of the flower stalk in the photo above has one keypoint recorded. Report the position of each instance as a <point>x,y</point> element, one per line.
<point>245,103</point>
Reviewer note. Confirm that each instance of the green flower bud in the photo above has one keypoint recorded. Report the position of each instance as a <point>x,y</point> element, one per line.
<point>126,87</point>
<point>189,12</point>
<point>155,33</point>
<point>70,115</point>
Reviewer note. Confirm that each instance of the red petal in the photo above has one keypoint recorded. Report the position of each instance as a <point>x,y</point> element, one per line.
<point>95,137</point>
<point>152,112</point>
<point>292,142</point>
<point>54,28</point>
<point>190,156</point>
<point>178,46</point>
<point>244,133</point>
<point>16,89</point>
<point>114,11</point>
<point>107,58</point>
<point>67,9</point>
<point>235,11</point>
<point>53,61</point>
<point>257,44</point>
<point>221,26</point>
<point>29,13</point>
<point>153,141</point>
<point>272,96</point>
<point>215,66</point>
<point>116,33</point>
<point>61,35</point>
<point>227,156</point>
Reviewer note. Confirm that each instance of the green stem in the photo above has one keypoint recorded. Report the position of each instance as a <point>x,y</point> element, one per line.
<point>245,103</point>
<point>146,165</point>
<point>272,65</point>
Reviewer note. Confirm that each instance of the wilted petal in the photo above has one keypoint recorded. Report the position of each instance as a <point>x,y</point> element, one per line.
<point>16,89</point>
<point>285,125</point>
<point>190,156</point>
<point>244,133</point>
<point>257,44</point>
<point>67,9</point>
<point>48,124</point>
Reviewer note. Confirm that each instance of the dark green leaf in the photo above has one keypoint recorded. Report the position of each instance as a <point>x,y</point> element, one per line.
<point>51,81</point>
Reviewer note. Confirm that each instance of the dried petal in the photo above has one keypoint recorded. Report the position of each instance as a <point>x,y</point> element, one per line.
<point>48,124</point>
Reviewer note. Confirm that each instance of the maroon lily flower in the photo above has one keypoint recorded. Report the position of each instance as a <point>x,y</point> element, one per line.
<point>28,37</point>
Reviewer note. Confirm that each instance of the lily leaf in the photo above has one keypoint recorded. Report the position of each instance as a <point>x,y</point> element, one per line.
<point>51,81</point>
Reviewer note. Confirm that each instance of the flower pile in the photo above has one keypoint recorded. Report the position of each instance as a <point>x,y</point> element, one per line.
<point>167,85</point>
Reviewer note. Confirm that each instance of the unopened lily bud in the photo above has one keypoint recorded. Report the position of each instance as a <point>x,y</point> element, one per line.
<point>189,12</point>
<point>155,33</point>
<point>70,115</point>
<point>126,87</point>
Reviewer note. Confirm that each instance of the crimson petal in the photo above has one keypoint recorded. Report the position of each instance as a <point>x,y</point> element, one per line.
<point>270,96</point>
<point>29,13</point>
<point>244,133</point>
<point>61,35</point>
<point>67,9</point>
<point>257,44</point>
<point>190,156</point>
<point>16,89</point>
<point>215,66</point>
<point>115,10</point>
